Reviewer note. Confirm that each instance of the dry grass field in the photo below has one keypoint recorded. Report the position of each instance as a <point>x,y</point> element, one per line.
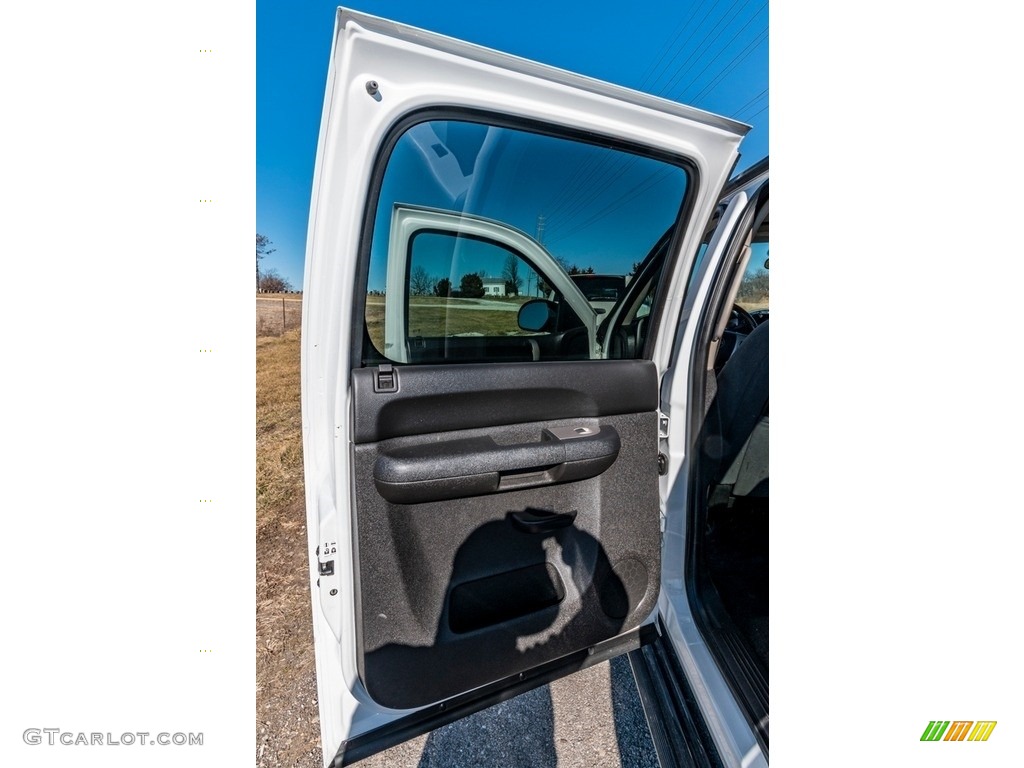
<point>277,313</point>
<point>288,728</point>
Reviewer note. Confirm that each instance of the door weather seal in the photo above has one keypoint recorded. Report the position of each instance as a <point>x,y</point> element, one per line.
<point>450,710</point>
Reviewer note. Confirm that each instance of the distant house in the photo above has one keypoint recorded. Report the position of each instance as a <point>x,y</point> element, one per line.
<point>494,286</point>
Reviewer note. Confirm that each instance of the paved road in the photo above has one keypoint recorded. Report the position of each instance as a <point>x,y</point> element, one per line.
<point>489,306</point>
<point>591,719</point>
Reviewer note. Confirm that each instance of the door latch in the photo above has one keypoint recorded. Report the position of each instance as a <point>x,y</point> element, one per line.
<point>664,422</point>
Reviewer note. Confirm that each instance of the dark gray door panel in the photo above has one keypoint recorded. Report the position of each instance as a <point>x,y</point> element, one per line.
<point>395,401</point>
<point>454,593</point>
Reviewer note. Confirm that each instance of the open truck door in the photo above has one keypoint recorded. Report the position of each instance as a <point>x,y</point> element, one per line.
<point>481,460</point>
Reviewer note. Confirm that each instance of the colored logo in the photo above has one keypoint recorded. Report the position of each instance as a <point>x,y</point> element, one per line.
<point>958,730</point>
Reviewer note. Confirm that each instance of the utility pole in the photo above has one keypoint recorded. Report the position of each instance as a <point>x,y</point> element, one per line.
<point>541,221</point>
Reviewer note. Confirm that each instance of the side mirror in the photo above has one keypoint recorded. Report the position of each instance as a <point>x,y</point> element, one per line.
<point>537,315</point>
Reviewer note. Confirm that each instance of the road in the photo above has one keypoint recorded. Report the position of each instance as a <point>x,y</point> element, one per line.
<point>476,304</point>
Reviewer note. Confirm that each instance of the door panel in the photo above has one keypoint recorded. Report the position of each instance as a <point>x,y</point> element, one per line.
<point>461,592</point>
<point>439,398</point>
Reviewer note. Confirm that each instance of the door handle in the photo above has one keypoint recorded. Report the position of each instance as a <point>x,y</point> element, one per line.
<point>476,466</point>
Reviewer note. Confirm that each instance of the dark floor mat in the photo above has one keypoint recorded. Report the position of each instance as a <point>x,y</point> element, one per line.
<point>737,557</point>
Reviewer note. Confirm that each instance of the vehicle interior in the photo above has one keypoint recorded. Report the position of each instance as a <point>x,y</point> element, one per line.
<point>728,533</point>
<point>728,577</point>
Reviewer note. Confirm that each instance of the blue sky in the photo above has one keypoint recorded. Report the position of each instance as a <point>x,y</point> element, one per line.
<point>712,55</point>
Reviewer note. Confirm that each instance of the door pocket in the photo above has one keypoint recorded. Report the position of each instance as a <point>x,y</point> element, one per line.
<point>504,596</point>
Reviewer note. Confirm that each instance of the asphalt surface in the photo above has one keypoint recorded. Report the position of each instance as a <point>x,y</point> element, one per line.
<point>589,719</point>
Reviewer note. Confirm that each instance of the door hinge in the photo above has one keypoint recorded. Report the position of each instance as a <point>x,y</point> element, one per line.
<point>664,423</point>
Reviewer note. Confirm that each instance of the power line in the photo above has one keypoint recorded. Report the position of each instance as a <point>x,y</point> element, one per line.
<point>762,109</point>
<point>750,48</point>
<point>593,177</point>
<point>682,29</point>
<point>578,179</point>
<point>750,103</point>
<point>654,178</point>
<point>597,186</point>
<point>701,48</point>
<point>593,170</point>
<point>573,195</point>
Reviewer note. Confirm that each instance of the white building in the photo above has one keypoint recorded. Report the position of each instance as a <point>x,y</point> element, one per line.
<point>494,286</point>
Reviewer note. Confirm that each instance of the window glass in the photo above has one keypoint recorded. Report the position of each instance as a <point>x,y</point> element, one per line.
<point>474,221</point>
<point>753,293</point>
<point>458,287</point>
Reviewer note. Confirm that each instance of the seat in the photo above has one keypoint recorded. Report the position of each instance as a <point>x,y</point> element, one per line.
<point>739,406</point>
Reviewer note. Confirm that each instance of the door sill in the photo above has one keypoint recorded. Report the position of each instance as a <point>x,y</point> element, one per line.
<point>680,735</point>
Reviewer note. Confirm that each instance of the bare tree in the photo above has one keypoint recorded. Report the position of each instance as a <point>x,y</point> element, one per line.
<point>271,282</point>
<point>262,249</point>
<point>420,283</point>
<point>755,286</point>
<point>513,282</point>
